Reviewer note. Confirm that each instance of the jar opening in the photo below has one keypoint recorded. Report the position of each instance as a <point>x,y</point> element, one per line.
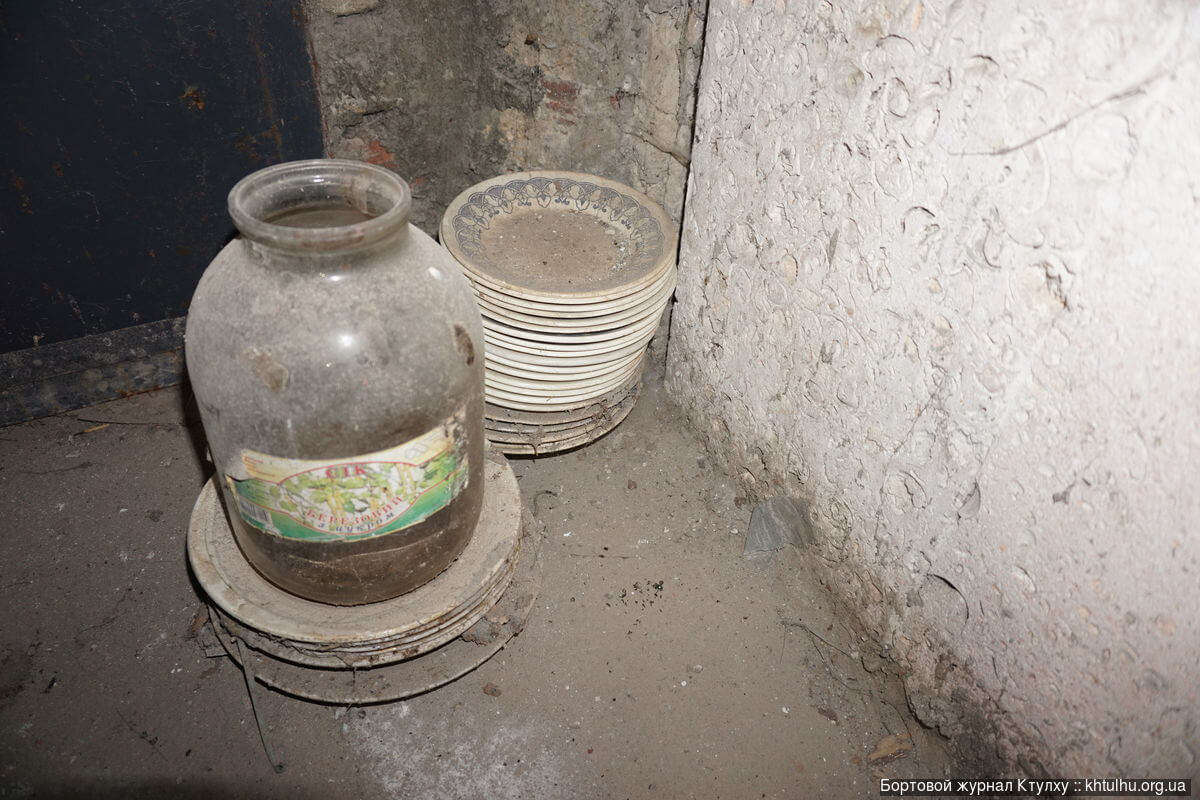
<point>320,205</point>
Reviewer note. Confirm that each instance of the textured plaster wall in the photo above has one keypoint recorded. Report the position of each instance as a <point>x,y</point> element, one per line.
<point>940,281</point>
<point>450,93</point>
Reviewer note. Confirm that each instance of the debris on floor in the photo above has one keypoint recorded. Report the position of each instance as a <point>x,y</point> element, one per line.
<point>890,748</point>
<point>777,523</point>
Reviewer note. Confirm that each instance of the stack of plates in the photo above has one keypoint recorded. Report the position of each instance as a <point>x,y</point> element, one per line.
<point>572,273</point>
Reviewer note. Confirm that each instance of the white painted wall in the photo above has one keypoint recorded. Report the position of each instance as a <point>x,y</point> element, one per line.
<point>941,278</point>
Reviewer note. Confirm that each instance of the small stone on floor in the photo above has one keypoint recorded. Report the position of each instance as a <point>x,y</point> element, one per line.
<point>775,523</point>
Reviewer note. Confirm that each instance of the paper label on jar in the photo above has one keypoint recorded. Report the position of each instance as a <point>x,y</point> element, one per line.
<point>346,499</point>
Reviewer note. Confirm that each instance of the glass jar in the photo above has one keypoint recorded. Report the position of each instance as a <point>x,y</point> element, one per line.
<point>335,352</point>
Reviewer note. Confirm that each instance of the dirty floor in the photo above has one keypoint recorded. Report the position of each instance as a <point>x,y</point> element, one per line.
<point>658,662</point>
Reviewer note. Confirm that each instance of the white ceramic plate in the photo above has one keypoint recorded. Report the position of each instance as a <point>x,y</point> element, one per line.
<point>641,333</point>
<point>518,431</point>
<point>533,388</point>
<point>494,413</point>
<point>556,373</point>
<point>553,323</point>
<point>534,302</point>
<point>566,236</point>
<point>566,310</point>
<point>558,383</point>
<point>537,446</point>
<point>574,338</point>
<point>512,355</point>
<point>498,395</point>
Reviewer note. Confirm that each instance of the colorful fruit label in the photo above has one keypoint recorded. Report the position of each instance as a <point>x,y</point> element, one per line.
<point>353,498</point>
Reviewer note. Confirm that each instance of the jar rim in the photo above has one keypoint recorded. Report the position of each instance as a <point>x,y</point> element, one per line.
<point>378,192</point>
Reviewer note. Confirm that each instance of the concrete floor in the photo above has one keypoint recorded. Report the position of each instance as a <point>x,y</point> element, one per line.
<point>658,663</point>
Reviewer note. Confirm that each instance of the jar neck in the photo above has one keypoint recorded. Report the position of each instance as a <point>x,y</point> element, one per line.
<point>321,206</point>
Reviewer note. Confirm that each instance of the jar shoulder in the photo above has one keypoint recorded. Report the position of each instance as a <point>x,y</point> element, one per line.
<point>404,311</point>
<point>414,265</point>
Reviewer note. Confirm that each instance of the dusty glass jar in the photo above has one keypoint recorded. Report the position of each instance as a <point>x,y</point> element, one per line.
<point>336,356</point>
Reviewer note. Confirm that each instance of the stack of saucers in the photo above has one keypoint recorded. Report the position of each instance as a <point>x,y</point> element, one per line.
<point>572,273</point>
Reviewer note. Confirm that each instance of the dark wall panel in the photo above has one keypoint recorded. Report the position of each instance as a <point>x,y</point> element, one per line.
<point>123,125</point>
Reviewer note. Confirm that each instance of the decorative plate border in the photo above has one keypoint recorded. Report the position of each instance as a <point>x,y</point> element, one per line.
<point>476,214</point>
